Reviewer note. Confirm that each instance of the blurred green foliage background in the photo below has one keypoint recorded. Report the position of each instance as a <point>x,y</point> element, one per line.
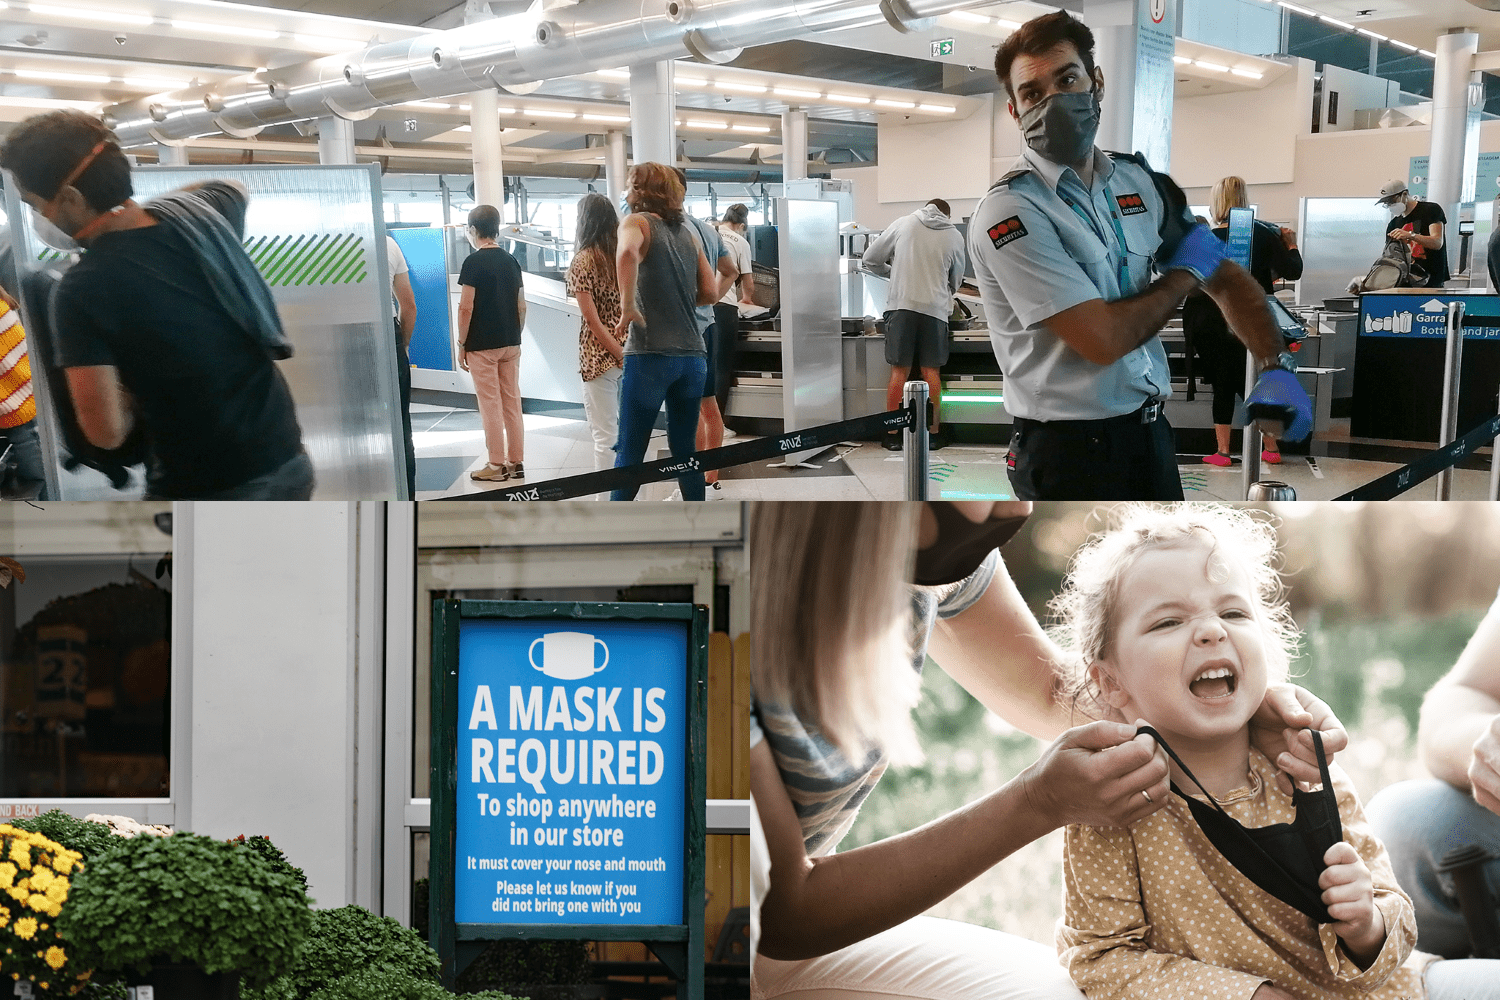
<point>1387,595</point>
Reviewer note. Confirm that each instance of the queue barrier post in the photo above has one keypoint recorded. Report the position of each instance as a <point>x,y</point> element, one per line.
<point>1452,359</point>
<point>1250,443</point>
<point>914,450</point>
<point>1495,468</point>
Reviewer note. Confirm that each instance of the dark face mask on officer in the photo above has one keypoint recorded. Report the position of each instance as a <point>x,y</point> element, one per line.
<point>960,544</point>
<point>1061,127</point>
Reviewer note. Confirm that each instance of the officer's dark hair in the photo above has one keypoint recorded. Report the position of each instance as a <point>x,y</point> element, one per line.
<point>1041,35</point>
<point>44,149</point>
<point>486,221</point>
<point>942,206</point>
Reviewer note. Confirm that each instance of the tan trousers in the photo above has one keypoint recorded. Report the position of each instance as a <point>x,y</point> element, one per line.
<point>497,386</point>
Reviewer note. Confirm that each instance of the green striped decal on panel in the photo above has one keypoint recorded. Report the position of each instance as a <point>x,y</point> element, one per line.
<point>330,259</point>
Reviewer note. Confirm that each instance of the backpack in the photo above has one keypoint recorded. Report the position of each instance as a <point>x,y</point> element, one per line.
<point>1394,269</point>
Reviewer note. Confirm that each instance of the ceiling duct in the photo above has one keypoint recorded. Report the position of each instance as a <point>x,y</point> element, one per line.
<point>508,52</point>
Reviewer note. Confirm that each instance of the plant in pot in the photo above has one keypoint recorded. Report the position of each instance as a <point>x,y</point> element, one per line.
<point>35,882</point>
<point>188,915</point>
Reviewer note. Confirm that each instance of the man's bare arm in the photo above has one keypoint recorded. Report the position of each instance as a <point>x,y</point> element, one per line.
<point>1243,303</point>
<point>101,404</point>
<point>1463,706</point>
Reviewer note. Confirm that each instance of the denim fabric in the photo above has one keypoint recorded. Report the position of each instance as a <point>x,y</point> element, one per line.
<point>1420,821</point>
<point>650,380</point>
<point>24,478</point>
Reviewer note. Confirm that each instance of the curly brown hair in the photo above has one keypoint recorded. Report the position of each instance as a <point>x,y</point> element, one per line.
<point>661,191</point>
<point>44,149</point>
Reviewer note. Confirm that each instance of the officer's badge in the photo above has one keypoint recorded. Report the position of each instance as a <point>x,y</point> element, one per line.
<point>1130,204</point>
<point>1006,231</point>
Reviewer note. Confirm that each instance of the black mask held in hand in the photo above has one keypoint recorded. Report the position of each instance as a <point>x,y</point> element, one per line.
<point>961,545</point>
<point>1284,859</point>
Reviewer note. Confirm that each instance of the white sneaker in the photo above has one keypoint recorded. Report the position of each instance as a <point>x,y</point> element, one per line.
<point>676,494</point>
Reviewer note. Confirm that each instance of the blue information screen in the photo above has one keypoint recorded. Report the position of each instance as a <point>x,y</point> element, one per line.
<point>572,772</point>
<point>1241,235</point>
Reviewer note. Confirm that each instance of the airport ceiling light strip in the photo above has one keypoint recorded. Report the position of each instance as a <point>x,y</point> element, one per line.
<point>205,23</point>
<point>510,51</point>
<point>799,91</point>
<point>1346,26</point>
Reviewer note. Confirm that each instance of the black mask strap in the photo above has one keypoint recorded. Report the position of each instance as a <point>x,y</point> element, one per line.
<point>961,544</point>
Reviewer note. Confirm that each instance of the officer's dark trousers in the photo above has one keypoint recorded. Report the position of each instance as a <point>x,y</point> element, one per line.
<point>1115,459</point>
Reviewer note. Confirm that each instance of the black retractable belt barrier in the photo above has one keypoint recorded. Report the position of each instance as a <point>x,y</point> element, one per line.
<point>822,436</point>
<point>1395,483</point>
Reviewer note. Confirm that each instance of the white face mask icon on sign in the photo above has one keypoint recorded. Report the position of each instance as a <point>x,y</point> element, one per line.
<point>567,656</point>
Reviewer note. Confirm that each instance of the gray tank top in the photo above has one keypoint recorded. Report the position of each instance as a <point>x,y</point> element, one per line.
<point>666,289</point>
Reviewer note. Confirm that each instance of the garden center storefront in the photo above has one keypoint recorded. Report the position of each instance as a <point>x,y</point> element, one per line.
<point>264,668</point>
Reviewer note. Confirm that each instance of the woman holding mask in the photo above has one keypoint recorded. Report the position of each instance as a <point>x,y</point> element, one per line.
<point>838,658</point>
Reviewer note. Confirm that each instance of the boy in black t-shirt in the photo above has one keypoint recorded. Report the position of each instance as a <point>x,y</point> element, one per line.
<point>164,323</point>
<point>1420,225</point>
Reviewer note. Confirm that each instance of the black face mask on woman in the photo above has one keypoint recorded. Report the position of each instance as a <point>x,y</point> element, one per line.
<point>961,545</point>
<point>1284,859</point>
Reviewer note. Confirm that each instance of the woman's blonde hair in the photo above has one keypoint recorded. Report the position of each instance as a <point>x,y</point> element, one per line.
<point>1084,612</point>
<point>830,615</point>
<point>1226,194</point>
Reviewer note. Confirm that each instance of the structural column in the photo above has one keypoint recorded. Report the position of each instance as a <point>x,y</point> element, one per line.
<point>793,144</point>
<point>486,148</point>
<point>1454,152</point>
<point>653,113</point>
<point>1134,45</point>
<point>168,155</point>
<point>614,165</point>
<point>335,140</point>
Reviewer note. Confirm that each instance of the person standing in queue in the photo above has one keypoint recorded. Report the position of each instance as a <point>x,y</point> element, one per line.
<point>165,323</point>
<point>1419,224</point>
<point>491,316</point>
<point>732,229</point>
<point>924,257</point>
<point>1064,247</point>
<point>404,299</point>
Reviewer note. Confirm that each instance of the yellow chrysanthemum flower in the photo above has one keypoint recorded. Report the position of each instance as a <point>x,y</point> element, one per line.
<point>63,863</point>
<point>39,903</point>
<point>7,874</point>
<point>58,891</point>
<point>19,894</point>
<point>55,957</point>
<point>26,928</point>
<point>53,910</point>
<point>41,877</point>
<point>20,853</point>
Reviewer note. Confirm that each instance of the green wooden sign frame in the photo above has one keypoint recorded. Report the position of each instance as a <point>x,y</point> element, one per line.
<point>678,946</point>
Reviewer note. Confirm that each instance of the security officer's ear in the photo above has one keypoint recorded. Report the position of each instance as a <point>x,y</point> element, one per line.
<point>1099,82</point>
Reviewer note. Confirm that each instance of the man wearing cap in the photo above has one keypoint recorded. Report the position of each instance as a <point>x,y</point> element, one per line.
<point>1418,224</point>
<point>1081,258</point>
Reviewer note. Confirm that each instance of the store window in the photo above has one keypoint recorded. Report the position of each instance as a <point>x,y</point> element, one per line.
<point>85,652</point>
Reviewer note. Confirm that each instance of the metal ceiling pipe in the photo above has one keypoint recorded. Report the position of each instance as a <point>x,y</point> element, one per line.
<point>504,52</point>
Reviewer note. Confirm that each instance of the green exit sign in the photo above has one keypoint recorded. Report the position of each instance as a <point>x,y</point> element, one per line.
<point>942,47</point>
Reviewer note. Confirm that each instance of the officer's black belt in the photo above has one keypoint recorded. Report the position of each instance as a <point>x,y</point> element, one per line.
<point>1147,414</point>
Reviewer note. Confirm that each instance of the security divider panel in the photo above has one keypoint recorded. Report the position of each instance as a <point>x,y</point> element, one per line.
<point>317,236</point>
<point>569,777</point>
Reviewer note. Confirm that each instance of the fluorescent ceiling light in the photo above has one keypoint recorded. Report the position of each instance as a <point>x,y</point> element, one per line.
<point>1007,25</point>
<point>894,104</point>
<point>615,74</point>
<point>691,81</point>
<point>48,102</point>
<point>223,29</point>
<point>848,99</point>
<point>1248,74</point>
<point>426,104</point>
<point>44,74</point>
<point>548,113</point>
<point>969,15</point>
<point>1211,67</point>
<point>1181,60</point>
<point>1429,55</point>
<point>107,16</point>
<point>1335,22</point>
<point>606,118</point>
<point>1403,45</point>
<point>750,128</point>
<point>1294,7</point>
<point>743,88</point>
<point>1372,34</point>
<point>789,92</point>
<point>713,125</point>
<point>939,108</point>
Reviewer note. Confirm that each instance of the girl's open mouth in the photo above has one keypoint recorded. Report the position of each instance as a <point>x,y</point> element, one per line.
<point>1214,683</point>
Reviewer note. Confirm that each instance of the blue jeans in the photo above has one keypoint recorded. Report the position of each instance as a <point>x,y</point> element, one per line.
<point>650,380</point>
<point>22,478</point>
<point>1420,821</point>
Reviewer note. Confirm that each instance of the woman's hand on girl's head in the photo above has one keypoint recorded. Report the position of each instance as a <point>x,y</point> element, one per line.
<point>1101,774</point>
<point>1279,730</point>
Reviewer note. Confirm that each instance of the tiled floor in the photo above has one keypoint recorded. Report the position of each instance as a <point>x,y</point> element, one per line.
<point>450,443</point>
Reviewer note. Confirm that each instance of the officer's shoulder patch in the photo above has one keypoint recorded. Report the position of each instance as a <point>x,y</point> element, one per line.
<point>1006,231</point>
<point>1130,204</point>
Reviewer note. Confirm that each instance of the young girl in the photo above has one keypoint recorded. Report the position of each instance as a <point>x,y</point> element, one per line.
<point>1175,618</point>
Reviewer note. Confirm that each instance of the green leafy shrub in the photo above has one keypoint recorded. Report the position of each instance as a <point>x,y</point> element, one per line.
<point>347,941</point>
<point>391,984</point>
<point>272,855</point>
<point>88,839</point>
<point>508,964</point>
<point>186,898</point>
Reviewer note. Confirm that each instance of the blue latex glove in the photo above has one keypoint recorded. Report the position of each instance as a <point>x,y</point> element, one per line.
<point>1280,406</point>
<point>1200,252</point>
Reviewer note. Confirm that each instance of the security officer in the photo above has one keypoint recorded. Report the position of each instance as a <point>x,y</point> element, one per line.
<point>1064,247</point>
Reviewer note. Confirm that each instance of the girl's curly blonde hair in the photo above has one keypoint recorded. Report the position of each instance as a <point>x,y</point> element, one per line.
<point>1083,613</point>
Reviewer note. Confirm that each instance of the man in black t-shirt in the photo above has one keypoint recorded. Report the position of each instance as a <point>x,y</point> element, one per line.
<point>491,315</point>
<point>164,323</point>
<point>1420,225</point>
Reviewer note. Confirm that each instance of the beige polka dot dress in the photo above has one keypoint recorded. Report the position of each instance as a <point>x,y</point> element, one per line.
<point>1155,911</point>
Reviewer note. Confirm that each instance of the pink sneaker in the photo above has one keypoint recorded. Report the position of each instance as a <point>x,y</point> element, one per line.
<point>1221,460</point>
<point>1271,457</point>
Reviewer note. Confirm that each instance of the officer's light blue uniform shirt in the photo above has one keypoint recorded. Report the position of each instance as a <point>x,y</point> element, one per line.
<point>1036,255</point>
